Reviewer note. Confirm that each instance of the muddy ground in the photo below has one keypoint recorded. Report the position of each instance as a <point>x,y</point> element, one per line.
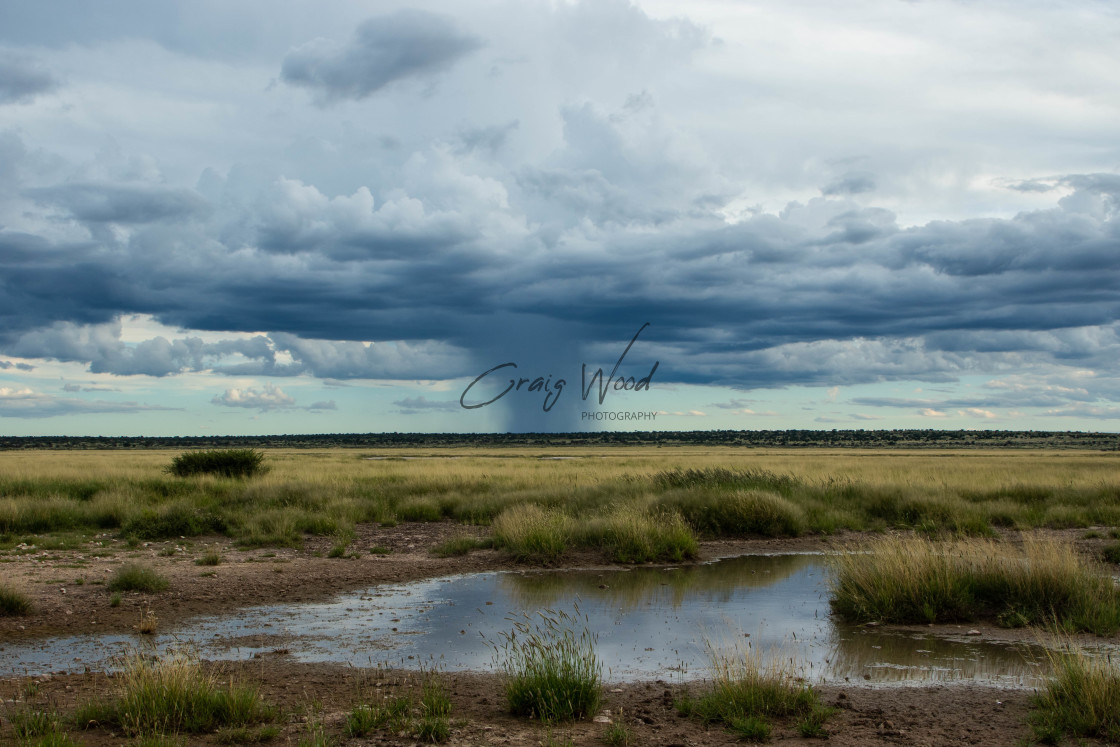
<point>69,596</point>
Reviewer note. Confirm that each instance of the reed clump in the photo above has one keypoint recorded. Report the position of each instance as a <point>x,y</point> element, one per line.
<point>551,668</point>
<point>918,580</point>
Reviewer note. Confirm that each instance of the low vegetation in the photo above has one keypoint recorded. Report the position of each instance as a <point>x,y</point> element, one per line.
<point>135,577</point>
<point>223,462</point>
<point>551,669</point>
<point>426,718</point>
<point>1081,700</point>
<point>641,504</point>
<point>750,691</point>
<point>13,602</point>
<point>174,695</point>
<point>916,580</point>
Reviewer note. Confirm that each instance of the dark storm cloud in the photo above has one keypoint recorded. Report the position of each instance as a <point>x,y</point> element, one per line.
<point>111,203</point>
<point>561,265</point>
<point>401,45</point>
<point>22,79</point>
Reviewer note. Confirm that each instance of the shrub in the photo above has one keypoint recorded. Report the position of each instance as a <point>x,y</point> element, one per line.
<point>552,672</point>
<point>133,577</point>
<point>224,462</point>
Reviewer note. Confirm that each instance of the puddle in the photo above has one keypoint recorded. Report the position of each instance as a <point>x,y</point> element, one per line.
<point>651,623</point>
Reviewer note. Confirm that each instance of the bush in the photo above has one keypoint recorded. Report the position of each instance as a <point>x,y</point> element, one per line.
<point>224,462</point>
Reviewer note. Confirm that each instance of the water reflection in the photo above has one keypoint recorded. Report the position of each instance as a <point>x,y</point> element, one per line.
<point>651,623</point>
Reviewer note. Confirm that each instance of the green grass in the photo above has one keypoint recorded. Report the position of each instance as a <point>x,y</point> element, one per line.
<point>14,602</point>
<point>916,580</point>
<point>459,546</point>
<point>618,734</point>
<point>427,720</point>
<point>223,462</point>
<point>749,691</point>
<point>551,669</point>
<point>135,577</point>
<point>1081,700</point>
<point>211,557</point>
<point>539,509</point>
<point>175,694</point>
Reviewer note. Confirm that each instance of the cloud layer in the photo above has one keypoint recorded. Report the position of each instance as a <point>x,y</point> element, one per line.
<point>429,191</point>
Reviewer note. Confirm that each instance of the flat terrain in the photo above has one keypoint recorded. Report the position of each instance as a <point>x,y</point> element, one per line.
<point>64,575</point>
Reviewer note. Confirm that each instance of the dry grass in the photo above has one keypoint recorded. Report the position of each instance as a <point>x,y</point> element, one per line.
<point>717,491</point>
<point>913,580</point>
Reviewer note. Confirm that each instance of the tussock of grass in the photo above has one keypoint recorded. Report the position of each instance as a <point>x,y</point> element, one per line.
<point>530,532</point>
<point>1082,699</point>
<point>429,720</point>
<point>748,690</point>
<point>459,546</point>
<point>631,535</point>
<point>134,577</point>
<point>742,512</point>
<point>223,462</point>
<point>211,557</point>
<point>172,695</point>
<point>13,602</point>
<point>911,580</point>
<point>552,671</point>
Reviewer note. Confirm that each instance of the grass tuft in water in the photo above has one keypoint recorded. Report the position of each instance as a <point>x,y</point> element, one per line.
<point>552,671</point>
<point>916,580</point>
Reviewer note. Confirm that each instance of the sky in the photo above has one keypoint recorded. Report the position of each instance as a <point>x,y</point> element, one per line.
<point>283,216</point>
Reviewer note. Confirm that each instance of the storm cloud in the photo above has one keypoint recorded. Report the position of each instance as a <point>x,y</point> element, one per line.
<point>430,192</point>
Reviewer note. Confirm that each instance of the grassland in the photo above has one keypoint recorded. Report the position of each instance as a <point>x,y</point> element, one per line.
<point>637,503</point>
<point>629,504</point>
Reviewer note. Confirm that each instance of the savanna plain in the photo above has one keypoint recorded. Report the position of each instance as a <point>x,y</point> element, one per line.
<point>1010,545</point>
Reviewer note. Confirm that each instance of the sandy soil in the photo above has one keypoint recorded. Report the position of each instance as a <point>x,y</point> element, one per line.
<point>69,597</point>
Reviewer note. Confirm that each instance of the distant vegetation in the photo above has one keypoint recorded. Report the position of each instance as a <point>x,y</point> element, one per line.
<point>224,462</point>
<point>859,439</point>
<point>633,504</point>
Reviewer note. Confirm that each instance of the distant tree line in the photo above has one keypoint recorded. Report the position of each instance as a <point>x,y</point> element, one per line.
<point>893,439</point>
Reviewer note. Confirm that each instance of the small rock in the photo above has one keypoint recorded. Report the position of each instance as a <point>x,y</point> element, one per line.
<point>973,632</point>
<point>600,719</point>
